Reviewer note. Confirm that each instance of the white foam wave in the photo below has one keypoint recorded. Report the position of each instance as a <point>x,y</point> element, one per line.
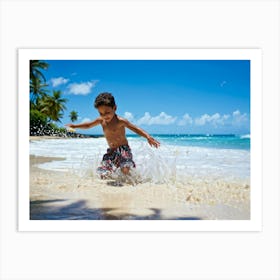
<point>166,164</point>
<point>246,136</point>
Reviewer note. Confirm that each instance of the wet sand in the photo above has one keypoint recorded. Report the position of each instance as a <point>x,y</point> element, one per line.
<point>68,196</point>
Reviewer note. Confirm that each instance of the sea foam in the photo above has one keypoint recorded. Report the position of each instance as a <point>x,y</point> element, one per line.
<point>168,164</point>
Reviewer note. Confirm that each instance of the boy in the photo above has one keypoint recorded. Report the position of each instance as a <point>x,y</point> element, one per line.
<point>119,153</point>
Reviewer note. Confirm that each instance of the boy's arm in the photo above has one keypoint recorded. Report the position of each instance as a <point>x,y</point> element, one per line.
<point>141,132</point>
<point>85,125</point>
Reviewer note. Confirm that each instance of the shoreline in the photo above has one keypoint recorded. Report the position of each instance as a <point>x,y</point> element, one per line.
<point>45,137</point>
<point>48,137</point>
<point>56,195</point>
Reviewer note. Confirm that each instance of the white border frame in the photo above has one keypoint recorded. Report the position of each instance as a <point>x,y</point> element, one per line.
<point>254,55</point>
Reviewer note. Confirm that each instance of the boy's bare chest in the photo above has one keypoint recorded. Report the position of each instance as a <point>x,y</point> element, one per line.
<point>113,129</point>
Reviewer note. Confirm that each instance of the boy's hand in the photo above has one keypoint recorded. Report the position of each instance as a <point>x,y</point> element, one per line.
<point>153,142</point>
<point>70,125</point>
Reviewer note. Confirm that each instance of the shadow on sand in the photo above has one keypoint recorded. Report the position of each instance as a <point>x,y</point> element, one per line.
<point>53,210</point>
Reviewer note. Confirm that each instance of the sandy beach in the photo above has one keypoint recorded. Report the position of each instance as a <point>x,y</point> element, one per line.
<point>56,195</point>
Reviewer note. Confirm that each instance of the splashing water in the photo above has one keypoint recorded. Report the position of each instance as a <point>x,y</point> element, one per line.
<point>169,164</point>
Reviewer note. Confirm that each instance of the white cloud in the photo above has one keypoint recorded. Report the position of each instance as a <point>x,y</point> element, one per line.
<point>186,119</point>
<point>161,119</point>
<point>202,120</point>
<point>145,119</point>
<point>81,88</point>
<point>225,118</point>
<point>85,120</point>
<point>239,118</point>
<point>129,116</point>
<point>215,119</point>
<point>59,81</point>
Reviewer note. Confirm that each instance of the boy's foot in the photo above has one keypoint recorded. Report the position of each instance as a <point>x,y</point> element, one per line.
<point>106,175</point>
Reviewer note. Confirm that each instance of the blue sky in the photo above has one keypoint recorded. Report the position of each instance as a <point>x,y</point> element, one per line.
<point>160,96</point>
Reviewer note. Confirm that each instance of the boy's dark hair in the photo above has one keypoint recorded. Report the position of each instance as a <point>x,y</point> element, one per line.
<point>104,98</point>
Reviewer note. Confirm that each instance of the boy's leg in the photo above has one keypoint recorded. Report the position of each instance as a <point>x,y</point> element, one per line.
<point>125,170</point>
<point>126,161</point>
<point>106,167</point>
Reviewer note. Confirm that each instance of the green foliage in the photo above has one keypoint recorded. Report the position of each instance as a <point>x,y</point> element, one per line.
<point>53,105</point>
<point>45,108</point>
<point>37,90</point>
<point>38,121</point>
<point>35,67</point>
<point>73,116</point>
<point>39,125</point>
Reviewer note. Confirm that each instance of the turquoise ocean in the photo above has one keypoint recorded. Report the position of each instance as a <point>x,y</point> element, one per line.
<point>220,141</point>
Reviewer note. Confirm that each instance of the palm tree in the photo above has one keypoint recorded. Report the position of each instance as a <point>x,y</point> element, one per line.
<point>37,82</point>
<point>37,89</point>
<point>73,116</point>
<point>53,106</point>
<point>35,69</point>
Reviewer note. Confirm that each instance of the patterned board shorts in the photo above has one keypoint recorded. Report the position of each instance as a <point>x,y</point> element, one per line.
<point>115,158</point>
